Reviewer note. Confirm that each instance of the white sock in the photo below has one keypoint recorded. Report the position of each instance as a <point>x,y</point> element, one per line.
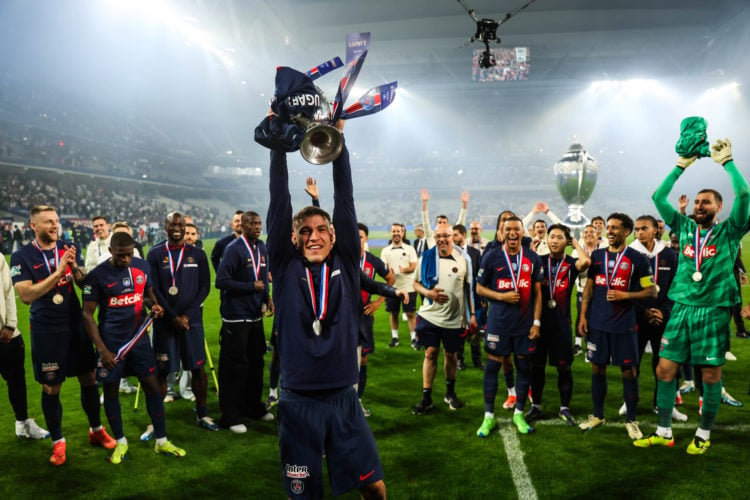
<point>665,432</point>
<point>703,434</point>
<point>489,414</point>
<point>578,341</point>
<point>413,335</point>
<point>512,391</point>
<point>61,440</point>
<point>274,392</point>
<point>394,334</point>
<point>161,441</point>
<point>517,412</point>
<point>122,440</point>
<point>95,429</point>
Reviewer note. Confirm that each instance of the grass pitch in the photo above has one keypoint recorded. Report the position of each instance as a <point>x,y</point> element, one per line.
<point>437,455</point>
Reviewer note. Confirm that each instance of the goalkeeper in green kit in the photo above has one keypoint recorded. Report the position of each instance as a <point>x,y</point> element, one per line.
<point>703,292</point>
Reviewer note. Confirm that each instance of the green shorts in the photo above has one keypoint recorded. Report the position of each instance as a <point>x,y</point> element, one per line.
<point>699,335</point>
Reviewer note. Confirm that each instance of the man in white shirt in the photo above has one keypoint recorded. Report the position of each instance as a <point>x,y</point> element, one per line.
<point>100,246</point>
<point>402,260</point>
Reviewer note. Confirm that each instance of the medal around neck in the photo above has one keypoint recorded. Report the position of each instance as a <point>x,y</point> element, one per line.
<point>58,298</point>
<point>302,116</point>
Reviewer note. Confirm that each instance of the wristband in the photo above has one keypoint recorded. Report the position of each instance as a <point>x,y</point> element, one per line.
<point>537,322</point>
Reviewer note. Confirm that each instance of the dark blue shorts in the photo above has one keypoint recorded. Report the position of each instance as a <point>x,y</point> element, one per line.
<point>505,345</point>
<point>557,345</point>
<point>171,347</point>
<point>366,335</point>
<point>618,349</point>
<point>140,362</point>
<point>332,424</point>
<point>57,353</point>
<point>430,335</point>
<point>394,304</point>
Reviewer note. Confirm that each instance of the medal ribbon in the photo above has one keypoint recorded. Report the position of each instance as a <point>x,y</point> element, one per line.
<point>699,247</point>
<point>553,284</point>
<point>656,269</point>
<point>172,268</point>
<point>614,269</point>
<point>256,263</point>
<point>44,256</point>
<point>143,328</point>
<point>320,307</point>
<point>519,259</point>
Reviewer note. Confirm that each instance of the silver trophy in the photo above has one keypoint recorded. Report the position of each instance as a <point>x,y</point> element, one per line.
<point>323,142</point>
<point>576,177</point>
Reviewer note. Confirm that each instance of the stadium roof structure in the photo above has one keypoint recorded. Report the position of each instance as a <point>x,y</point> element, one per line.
<point>421,42</point>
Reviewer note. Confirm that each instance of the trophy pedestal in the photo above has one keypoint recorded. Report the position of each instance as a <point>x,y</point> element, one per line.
<point>576,220</point>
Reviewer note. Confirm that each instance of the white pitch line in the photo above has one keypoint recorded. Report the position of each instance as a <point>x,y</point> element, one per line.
<point>691,424</point>
<point>519,472</point>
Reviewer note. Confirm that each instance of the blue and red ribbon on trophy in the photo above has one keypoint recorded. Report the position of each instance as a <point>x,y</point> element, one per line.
<point>374,100</point>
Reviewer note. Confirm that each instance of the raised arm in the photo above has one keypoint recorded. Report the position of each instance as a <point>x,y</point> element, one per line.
<point>279,215</point>
<point>344,214</point>
<point>721,153</point>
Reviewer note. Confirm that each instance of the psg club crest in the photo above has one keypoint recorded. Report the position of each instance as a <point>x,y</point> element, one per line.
<point>297,486</point>
<point>302,117</point>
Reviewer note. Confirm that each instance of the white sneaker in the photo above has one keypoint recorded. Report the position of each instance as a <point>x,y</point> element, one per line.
<point>678,416</point>
<point>623,410</point>
<point>169,398</point>
<point>30,430</point>
<point>648,349</point>
<point>403,317</point>
<point>127,387</point>
<point>268,417</point>
<point>634,432</point>
<point>729,356</point>
<point>238,429</point>
<point>149,434</point>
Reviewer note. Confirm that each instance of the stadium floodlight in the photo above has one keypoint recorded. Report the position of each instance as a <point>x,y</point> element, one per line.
<point>636,84</point>
<point>724,89</point>
<point>186,27</point>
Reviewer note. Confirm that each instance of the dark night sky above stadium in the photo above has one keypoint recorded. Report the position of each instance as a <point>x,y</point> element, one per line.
<point>211,64</point>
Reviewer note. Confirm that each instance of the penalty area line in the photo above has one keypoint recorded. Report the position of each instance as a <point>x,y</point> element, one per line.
<point>519,472</point>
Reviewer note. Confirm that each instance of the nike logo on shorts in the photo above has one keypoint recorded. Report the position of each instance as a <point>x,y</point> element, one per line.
<point>110,285</point>
<point>363,477</point>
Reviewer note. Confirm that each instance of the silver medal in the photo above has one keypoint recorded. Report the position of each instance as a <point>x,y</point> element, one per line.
<point>317,327</point>
<point>658,289</point>
<point>173,290</point>
<point>697,276</point>
<point>551,303</point>
<point>58,299</point>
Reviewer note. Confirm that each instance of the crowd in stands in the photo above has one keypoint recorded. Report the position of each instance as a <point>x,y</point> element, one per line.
<point>139,205</point>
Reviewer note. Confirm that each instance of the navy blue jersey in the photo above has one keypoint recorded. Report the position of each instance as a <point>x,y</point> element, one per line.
<point>236,276</point>
<point>371,265</point>
<point>218,252</point>
<point>630,274</point>
<point>309,361</point>
<point>191,277</point>
<point>664,266</point>
<point>119,294</point>
<point>558,317</point>
<point>29,264</point>
<point>505,318</point>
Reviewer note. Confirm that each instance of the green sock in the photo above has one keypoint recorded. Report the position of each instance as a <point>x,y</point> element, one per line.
<point>711,401</point>
<point>665,394</point>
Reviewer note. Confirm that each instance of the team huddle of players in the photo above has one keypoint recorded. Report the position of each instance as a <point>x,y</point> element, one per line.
<point>517,289</point>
